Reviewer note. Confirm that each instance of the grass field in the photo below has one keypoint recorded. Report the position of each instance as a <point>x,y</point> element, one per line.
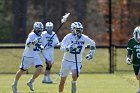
<point>96,77</point>
<point>87,83</point>
<point>11,58</point>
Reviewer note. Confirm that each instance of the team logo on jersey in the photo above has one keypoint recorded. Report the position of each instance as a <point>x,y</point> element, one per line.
<point>78,42</point>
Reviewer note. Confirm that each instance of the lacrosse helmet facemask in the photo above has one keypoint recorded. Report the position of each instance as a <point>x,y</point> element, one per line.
<point>76,29</point>
<point>49,27</point>
<point>136,34</point>
<point>38,28</point>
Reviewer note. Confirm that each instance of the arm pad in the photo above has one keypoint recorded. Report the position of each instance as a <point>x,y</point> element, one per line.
<point>129,53</point>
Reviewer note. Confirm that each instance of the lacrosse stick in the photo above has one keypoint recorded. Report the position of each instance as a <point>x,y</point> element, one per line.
<point>63,20</point>
<point>76,64</point>
<point>76,59</point>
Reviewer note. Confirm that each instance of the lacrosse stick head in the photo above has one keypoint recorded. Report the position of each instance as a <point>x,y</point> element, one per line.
<point>64,18</point>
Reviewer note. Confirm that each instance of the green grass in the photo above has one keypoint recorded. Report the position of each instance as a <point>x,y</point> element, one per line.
<point>10,60</point>
<point>120,82</point>
<point>87,83</point>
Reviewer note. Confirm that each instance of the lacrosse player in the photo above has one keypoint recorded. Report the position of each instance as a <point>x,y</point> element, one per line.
<point>50,40</point>
<point>133,54</point>
<point>73,46</point>
<point>31,56</point>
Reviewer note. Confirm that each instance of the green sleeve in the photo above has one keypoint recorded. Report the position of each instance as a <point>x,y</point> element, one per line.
<point>130,44</point>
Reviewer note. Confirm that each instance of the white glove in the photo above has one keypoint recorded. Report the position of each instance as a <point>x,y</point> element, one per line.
<point>41,47</point>
<point>89,56</point>
<point>128,61</point>
<point>71,47</point>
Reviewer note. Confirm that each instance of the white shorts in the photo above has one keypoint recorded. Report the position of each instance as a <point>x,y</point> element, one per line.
<point>68,66</point>
<point>48,56</point>
<point>28,61</point>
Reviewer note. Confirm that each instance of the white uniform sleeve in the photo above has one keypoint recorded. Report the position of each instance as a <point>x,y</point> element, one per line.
<point>64,44</point>
<point>30,40</point>
<point>90,42</point>
<point>56,40</point>
<point>43,38</point>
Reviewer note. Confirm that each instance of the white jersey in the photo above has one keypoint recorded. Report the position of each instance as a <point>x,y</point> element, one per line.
<point>82,43</point>
<point>31,51</point>
<point>49,42</point>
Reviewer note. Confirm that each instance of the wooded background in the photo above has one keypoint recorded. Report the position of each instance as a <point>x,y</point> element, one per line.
<point>17,18</point>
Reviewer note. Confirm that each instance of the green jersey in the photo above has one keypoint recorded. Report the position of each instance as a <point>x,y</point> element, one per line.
<point>135,47</point>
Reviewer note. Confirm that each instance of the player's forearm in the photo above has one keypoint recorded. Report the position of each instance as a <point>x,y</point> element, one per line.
<point>92,47</point>
<point>129,53</point>
<point>90,55</point>
<point>30,44</point>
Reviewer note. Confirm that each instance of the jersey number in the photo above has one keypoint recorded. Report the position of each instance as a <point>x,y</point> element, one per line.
<point>50,42</point>
<point>138,53</point>
<point>37,47</point>
<point>78,50</point>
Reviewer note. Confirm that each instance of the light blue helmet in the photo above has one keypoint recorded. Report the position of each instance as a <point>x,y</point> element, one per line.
<point>76,28</point>
<point>38,28</point>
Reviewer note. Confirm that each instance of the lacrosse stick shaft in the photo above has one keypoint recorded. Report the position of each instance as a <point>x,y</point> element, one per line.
<point>58,28</point>
<point>76,64</point>
<point>76,59</point>
<point>63,20</point>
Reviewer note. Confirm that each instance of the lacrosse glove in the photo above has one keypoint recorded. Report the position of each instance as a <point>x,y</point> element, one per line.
<point>36,40</point>
<point>41,47</point>
<point>128,60</point>
<point>89,56</point>
<point>71,47</point>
